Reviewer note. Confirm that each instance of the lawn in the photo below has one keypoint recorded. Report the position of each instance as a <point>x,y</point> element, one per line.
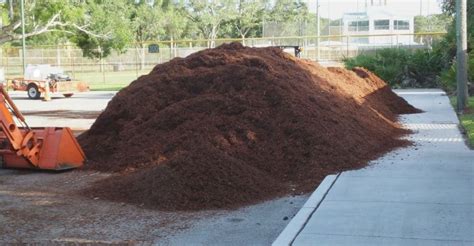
<point>98,86</point>
<point>467,119</point>
<point>108,81</point>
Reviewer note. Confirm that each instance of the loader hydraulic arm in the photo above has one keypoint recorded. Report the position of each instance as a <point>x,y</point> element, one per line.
<point>23,142</point>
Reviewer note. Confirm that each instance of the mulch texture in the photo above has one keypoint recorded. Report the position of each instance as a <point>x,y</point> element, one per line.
<point>233,126</point>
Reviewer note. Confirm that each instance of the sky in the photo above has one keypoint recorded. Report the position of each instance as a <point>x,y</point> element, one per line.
<point>335,8</point>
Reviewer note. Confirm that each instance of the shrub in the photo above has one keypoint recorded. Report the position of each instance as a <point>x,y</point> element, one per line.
<point>424,66</point>
<point>448,76</point>
<point>402,68</point>
<point>386,63</point>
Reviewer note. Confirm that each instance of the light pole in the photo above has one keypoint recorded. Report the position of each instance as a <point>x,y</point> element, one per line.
<point>318,31</point>
<point>22,6</point>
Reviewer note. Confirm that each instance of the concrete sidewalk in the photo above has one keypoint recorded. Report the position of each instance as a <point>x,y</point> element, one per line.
<point>420,195</point>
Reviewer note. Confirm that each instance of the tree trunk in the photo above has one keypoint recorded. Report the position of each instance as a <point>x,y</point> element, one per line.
<point>213,36</point>
<point>140,51</point>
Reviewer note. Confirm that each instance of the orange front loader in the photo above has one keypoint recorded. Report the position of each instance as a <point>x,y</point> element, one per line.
<point>50,148</point>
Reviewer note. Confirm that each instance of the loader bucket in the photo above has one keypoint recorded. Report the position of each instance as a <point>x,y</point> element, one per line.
<point>60,151</point>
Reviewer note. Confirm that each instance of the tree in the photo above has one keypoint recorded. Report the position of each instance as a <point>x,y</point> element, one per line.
<point>109,18</point>
<point>432,23</point>
<point>447,47</point>
<point>96,26</point>
<point>176,25</point>
<point>449,7</point>
<point>43,17</point>
<point>287,18</point>
<point>209,15</point>
<point>248,16</point>
<point>145,23</point>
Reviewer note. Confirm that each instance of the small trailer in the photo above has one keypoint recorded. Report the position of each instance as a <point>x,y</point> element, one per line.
<point>37,77</point>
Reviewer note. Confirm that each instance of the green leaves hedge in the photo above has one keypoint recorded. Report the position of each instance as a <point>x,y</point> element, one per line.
<point>403,68</point>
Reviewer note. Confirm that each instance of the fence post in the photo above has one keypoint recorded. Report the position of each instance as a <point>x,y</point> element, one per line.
<point>73,61</point>
<point>136,62</point>
<point>142,64</point>
<point>102,65</point>
<point>318,51</point>
<point>58,56</point>
<point>347,45</point>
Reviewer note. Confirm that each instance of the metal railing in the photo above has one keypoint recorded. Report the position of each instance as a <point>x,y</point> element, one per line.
<point>122,68</point>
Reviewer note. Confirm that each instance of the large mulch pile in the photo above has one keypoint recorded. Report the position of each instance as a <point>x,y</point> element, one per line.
<point>234,125</point>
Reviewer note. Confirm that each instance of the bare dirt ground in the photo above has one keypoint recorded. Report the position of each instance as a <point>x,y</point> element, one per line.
<point>44,208</point>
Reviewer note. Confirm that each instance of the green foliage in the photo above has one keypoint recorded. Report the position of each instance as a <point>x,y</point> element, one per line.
<point>447,47</point>
<point>467,119</point>
<point>42,17</point>
<point>109,19</point>
<point>402,68</point>
<point>448,76</point>
<point>432,23</point>
<point>389,64</point>
<point>289,11</point>
<point>288,18</point>
<point>449,7</point>
<point>146,23</point>
<point>100,27</point>
<point>423,66</point>
<point>248,17</point>
<point>209,16</point>
<point>176,25</point>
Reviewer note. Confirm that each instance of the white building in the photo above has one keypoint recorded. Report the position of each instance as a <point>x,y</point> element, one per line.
<point>376,22</point>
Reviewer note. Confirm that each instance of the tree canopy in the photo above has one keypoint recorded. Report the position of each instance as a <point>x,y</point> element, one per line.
<point>102,26</point>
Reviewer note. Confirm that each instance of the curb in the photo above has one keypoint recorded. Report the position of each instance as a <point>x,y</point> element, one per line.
<point>297,223</point>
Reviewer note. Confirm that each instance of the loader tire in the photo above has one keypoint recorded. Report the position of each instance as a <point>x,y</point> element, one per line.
<point>33,91</point>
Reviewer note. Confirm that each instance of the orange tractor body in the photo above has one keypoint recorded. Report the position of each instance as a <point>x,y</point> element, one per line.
<point>50,148</point>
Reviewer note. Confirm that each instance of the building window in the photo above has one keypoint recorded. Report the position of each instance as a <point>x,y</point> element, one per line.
<point>401,25</point>
<point>382,24</point>
<point>358,26</point>
<point>360,40</point>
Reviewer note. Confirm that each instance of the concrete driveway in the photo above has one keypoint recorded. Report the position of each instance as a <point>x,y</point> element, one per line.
<point>421,195</point>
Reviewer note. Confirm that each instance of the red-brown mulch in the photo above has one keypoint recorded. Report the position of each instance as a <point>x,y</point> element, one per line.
<point>234,125</point>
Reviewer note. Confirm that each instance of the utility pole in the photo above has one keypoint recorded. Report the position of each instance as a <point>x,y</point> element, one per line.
<point>461,54</point>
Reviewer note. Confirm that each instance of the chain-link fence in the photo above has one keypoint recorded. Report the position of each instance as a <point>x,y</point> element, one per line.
<point>122,68</point>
